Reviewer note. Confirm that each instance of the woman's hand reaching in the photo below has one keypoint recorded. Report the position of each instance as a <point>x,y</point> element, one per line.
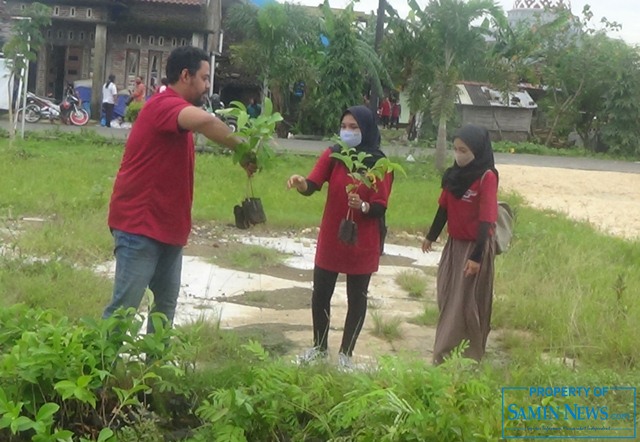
<point>298,182</point>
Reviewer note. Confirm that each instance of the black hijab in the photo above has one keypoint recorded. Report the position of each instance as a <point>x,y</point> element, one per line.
<point>456,179</point>
<point>370,134</point>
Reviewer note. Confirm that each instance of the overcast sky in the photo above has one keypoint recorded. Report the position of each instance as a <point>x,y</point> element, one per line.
<point>625,12</point>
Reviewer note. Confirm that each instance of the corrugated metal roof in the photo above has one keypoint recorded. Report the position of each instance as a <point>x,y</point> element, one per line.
<point>474,94</point>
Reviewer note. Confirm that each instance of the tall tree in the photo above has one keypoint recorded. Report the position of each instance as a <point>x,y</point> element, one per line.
<point>457,37</point>
<point>279,44</point>
<point>346,64</point>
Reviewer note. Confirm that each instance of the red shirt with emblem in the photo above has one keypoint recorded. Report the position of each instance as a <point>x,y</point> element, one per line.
<point>331,253</point>
<point>479,203</point>
<point>153,191</point>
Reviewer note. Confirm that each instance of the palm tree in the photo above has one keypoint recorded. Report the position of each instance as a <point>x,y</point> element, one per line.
<point>451,37</point>
<point>278,44</point>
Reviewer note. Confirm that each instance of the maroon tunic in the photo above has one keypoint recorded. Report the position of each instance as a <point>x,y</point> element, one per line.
<point>332,254</point>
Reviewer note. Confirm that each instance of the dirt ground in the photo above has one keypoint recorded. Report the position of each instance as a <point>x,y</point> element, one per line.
<point>610,201</point>
<point>607,200</point>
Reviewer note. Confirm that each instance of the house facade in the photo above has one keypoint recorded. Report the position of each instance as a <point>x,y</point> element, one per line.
<point>91,39</point>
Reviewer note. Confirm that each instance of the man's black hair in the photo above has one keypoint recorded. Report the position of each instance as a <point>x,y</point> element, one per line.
<point>184,57</point>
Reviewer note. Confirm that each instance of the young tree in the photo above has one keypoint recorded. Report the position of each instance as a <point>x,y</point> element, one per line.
<point>346,65</point>
<point>279,44</point>
<point>22,47</point>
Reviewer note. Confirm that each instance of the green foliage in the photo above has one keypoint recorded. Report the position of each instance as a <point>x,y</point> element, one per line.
<point>359,172</point>
<point>413,282</point>
<point>256,133</point>
<point>345,69</point>
<point>133,109</point>
<point>27,38</point>
<point>48,360</point>
<point>387,328</point>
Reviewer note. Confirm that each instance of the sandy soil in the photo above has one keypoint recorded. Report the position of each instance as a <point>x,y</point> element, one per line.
<point>610,201</point>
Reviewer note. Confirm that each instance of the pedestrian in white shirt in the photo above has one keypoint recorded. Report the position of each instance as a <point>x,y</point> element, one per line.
<point>109,93</point>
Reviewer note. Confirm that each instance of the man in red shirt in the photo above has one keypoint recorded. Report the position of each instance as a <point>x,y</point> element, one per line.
<point>150,209</point>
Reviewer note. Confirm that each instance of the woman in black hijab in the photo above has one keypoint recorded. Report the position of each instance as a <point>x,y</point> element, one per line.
<point>468,205</point>
<point>358,260</point>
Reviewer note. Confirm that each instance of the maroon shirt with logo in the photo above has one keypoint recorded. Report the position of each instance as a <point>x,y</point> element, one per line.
<point>331,253</point>
<point>153,191</point>
<point>478,204</point>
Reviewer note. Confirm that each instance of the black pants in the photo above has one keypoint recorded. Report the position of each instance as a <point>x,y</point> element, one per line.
<point>108,113</point>
<point>324,283</point>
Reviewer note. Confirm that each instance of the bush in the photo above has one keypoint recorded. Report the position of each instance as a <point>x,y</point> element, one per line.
<point>132,111</point>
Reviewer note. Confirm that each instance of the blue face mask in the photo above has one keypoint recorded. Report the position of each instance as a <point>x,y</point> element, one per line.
<point>351,138</point>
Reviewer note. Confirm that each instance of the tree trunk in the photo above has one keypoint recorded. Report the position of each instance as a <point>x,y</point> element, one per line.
<point>441,144</point>
<point>373,97</point>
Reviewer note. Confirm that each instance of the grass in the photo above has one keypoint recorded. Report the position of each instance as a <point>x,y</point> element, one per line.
<point>428,317</point>
<point>413,282</point>
<point>570,287</point>
<point>387,328</point>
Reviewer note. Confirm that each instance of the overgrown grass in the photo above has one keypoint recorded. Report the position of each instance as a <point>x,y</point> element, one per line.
<point>388,328</point>
<point>568,285</point>
<point>413,282</point>
<point>428,317</point>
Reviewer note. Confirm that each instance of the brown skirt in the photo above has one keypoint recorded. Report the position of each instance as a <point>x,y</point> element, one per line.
<point>464,302</point>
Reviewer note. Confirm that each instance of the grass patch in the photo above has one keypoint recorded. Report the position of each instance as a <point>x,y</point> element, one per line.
<point>413,282</point>
<point>428,317</point>
<point>251,258</point>
<point>387,328</point>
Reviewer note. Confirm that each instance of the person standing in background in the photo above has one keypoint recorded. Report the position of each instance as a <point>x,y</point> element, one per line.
<point>109,94</point>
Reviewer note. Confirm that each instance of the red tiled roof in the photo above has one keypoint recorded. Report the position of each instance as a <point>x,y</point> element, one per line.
<point>178,2</point>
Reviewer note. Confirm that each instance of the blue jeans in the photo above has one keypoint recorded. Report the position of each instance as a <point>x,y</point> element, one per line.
<point>143,262</point>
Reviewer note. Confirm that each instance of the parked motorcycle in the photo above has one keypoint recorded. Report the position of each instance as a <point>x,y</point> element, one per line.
<point>68,111</point>
<point>213,104</point>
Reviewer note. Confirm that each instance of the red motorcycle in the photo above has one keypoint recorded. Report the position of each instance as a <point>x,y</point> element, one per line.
<point>69,111</point>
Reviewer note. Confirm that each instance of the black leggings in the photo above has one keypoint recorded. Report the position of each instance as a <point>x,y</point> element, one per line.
<point>324,283</point>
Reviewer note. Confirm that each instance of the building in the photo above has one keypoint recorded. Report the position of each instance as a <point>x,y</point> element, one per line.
<point>507,116</point>
<point>90,39</point>
<point>532,12</point>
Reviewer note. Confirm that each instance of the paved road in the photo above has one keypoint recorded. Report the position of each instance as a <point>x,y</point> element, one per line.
<point>315,146</point>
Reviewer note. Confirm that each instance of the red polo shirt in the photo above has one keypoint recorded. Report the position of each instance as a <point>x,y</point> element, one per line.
<point>153,190</point>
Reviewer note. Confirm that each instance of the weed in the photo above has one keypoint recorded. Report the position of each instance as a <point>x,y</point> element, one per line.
<point>429,316</point>
<point>413,282</point>
<point>388,329</point>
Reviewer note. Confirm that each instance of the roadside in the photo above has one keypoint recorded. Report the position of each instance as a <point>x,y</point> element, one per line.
<point>314,147</point>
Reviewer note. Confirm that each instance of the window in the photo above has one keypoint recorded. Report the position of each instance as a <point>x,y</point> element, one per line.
<point>174,42</point>
<point>49,34</point>
<point>132,66</point>
<point>70,35</point>
<point>129,38</point>
<point>60,34</point>
<point>89,12</point>
<point>160,41</point>
<point>23,7</point>
<point>138,39</point>
<point>91,36</point>
<point>183,42</point>
<point>81,36</point>
<point>56,10</point>
<point>72,12</point>
<point>152,40</point>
